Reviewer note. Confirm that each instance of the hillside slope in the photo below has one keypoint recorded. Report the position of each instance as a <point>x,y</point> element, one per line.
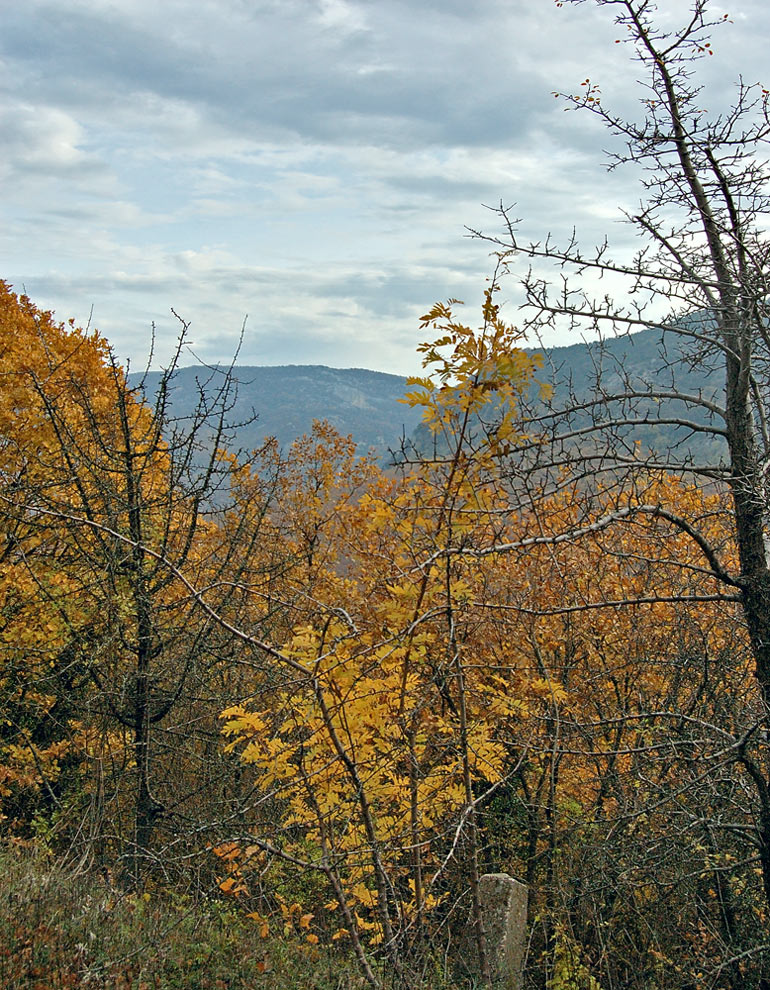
<point>283,401</point>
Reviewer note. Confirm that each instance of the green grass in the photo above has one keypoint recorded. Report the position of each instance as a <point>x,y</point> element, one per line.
<point>62,929</point>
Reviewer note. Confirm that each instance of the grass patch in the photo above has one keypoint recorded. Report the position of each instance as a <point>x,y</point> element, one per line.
<point>61,929</point>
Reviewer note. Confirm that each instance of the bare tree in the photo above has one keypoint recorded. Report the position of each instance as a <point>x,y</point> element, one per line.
<point>700,284</point>
<point>121,497</point>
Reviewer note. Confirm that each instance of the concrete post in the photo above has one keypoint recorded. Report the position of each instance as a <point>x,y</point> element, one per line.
<point>504,910</point>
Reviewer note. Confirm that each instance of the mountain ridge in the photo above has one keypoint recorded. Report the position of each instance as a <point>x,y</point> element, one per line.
<point>286,399</point>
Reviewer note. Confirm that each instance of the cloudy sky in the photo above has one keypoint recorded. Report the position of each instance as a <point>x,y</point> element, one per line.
<point>310,165</point>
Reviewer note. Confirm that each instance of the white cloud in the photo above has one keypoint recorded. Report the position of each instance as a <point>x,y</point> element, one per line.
<point>310,162</point>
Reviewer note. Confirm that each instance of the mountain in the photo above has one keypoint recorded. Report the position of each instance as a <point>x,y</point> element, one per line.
<point>283,401</point>
<point>670,361</point>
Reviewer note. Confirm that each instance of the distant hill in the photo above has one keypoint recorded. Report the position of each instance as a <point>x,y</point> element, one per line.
<point>650,359</point>
<point>286,399</point>
<point>283,401</point>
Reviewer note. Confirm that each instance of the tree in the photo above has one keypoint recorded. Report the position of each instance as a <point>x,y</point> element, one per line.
<point>631,801</point>
<point>440,677</point>
<point>39,748</point>
<point>107,501</point>
<point>701,283</point>
<point>385,730</point>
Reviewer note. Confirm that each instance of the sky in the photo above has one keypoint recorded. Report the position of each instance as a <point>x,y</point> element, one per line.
<point>302,174</point>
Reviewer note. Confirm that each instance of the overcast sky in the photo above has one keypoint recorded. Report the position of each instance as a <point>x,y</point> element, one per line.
<point>308,164</point>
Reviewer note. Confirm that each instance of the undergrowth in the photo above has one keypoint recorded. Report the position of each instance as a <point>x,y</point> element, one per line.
<point>63,928</point>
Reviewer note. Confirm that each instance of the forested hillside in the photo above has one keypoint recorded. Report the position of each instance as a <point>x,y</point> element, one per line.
<point>283,401</point>
<point>409,675</point>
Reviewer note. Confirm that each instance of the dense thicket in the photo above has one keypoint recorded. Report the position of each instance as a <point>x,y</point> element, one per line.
<point>416,683</point>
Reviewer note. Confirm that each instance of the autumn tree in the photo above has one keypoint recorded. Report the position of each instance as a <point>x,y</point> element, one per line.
<point>629,817</point>
<point>472,688</point>
<point>38,750</point>
<point>116,517</point>
<point>386,731</point>
<point>700,283</point>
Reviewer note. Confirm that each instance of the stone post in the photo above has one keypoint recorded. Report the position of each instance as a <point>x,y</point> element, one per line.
<point>504,911</point>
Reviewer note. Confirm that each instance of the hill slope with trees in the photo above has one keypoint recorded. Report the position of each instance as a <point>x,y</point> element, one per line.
<point>283,401</point>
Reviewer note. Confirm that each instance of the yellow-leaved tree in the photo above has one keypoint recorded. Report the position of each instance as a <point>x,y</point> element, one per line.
<point>489,672</point>
<point>388,728</point>
<point>113,519</point>
<point>39,741</point>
